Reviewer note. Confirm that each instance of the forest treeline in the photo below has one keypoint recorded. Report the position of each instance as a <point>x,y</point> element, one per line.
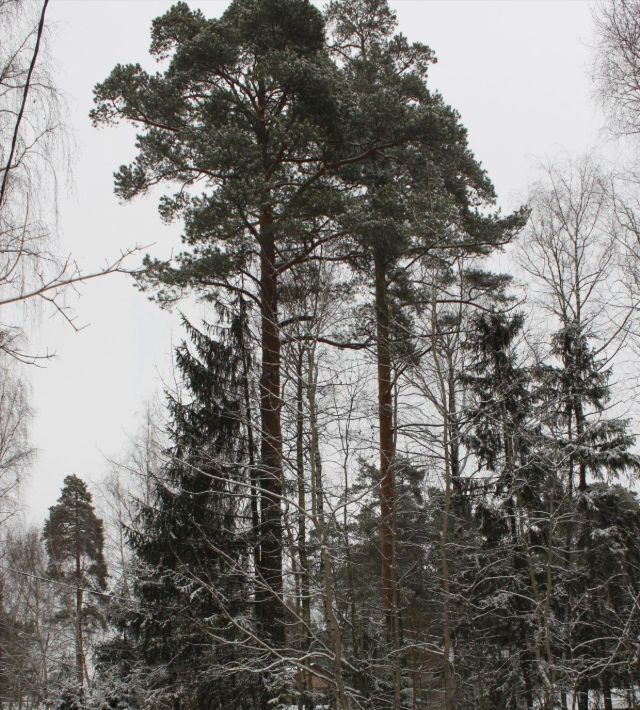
<point>396,471</point>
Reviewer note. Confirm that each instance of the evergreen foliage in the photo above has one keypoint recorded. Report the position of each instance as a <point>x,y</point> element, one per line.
<point>74,541</point>
<point>193,623</point>
<point>482,552</point>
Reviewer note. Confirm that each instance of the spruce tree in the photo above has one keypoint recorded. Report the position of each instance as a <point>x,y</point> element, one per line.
<point>556,564</point>
<point>192,627</point>
<point>505,438</point>
<point>74,541</point>
<point>594,450</point>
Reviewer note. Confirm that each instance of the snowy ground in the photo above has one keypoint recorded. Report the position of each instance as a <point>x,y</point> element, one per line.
<point>596,701</point>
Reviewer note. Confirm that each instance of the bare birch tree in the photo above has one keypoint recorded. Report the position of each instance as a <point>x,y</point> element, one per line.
<point>617,63</point>
<point>34,152</point>
<point>574,254</point>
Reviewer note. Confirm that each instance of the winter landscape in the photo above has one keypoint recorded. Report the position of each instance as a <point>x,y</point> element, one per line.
<point>319,347</point>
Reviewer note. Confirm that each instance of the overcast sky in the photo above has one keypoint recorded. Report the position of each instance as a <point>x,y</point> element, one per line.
<point>518,72</point>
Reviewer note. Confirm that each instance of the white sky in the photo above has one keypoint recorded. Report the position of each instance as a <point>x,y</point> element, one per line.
<point>517,71</point>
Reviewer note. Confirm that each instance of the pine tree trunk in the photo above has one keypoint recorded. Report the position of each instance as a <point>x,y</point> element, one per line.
<point>387,476</point>
<point>78,630</point>
<point>270,600</point>
<point>385,416</point>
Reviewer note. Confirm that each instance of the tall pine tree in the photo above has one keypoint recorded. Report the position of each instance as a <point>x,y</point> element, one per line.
<point>74,541</point>
<point>244,122</point>
<point>421,197</point>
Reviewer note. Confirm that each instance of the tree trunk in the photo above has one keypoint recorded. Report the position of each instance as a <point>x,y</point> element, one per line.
<point>270,602</point>
<point>301,544</point>
<point>79,644</point>
<point>447,646</point>
<point>446,387</point>
<point>79,594</point>
<point>387,476</point>
<point>583,697</point>
<point>606,691</point>
<point>583,691</point>
<point>385,416</point>
<point>518,552</point>
<point>454,443</point>
<point>317,492</point>
<point>254,476</point>
<point>317,513</point>
<point>3,636</point>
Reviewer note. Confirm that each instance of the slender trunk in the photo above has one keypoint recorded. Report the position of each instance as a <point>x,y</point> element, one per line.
<point>583,689</point>
<point>547,607</point>
<point>454,442</point>
<point>353,613</point>
<point>606,692</point>
<point>270,600</point>
<point>583,696</point>
<point>519,550</point>
<point>580,431</point>
<point>11,154</point>
<point>317,514</point>
<point>444,551</point>
<point>3,636</point>
<point>632,693</point>
<point>79,643</point>
<point>80,667</point>
<point>253,471</point>
<point>317,494</point>
<point>385,416</point>
<point>315,460</point>
<point>567,652</point>
<point>387,476</point>
<point>447,393</point>
<point>303,584</point>
<point>342,702</point>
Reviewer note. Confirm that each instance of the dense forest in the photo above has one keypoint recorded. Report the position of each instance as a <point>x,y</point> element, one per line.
<point>394,471</point>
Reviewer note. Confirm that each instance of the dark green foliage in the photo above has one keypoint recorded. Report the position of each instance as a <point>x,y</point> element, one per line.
<point>503,397</point>
<point>286,153</point>
<point>73,530</point>
<point>244,123</point>
<point>189,632</point>
<point>539,431</point>
<point>241,120</point>
<point>74,541</point>
<point>579,389</point>
<point>603,600</point>
<point>359,582</point>
<point>505,437</point>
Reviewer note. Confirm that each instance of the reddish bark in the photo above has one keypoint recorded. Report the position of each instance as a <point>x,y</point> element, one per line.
<point>387,444</point>
<point>270,604</point>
